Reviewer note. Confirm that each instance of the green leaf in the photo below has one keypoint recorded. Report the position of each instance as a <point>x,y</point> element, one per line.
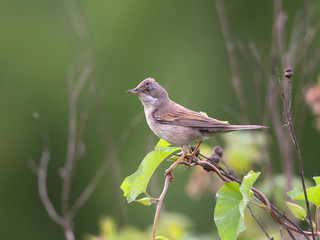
<point>317,180</point>
<point>231,203</point>
<point>137,183</point>
<point>144,201</point>
<point>161,145</point>
<point>313,195</point>
<point>227,214</point>
<point>312,192</point>
<point>294,193</point>
<point>245,187</point>
<point>297,210</point>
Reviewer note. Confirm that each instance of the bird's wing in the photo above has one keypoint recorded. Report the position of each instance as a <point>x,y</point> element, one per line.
<point>188,118</point>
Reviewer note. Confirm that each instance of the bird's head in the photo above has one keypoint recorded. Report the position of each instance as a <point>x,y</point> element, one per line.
<point>150,92</point>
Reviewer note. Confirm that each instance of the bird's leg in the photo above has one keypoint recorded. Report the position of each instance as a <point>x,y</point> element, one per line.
<point>170,169</point>
<point>193,154</point>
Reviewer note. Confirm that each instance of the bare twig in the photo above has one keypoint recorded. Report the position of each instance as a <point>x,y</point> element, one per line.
<point>273,211</point>
<point>232,57</point>
<point>87,192</point>
<point>42,179</point>
<point>296,145</point>
<point>272,98</point>
<point>259,223</point>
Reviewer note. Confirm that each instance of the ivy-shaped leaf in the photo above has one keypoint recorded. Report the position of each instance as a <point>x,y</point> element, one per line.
<point>137,183</point>
<point>231,203</point>
<point>227,214</point>
<point>245,187</point>
<point>312,192</point>
<point>294,193</point>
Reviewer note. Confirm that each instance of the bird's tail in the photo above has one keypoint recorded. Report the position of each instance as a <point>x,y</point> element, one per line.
<point>244,127</point>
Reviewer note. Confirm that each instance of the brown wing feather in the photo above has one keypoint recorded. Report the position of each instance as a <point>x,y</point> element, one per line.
<point>186,117</point>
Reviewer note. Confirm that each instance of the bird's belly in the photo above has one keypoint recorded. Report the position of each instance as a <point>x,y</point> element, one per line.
<point>176,135</point>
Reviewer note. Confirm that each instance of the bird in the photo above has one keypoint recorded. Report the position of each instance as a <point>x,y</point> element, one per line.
<point>176,124</point>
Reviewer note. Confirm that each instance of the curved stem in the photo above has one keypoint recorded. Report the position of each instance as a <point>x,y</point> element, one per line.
<point>262,198</point>
<point>168,178</point>
<point>156,217</point>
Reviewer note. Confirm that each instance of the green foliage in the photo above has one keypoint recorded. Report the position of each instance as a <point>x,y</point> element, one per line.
<point>245,187</point>
<point>313,193</point>
<point>297,210</point>
<point>232,200</point>
<point>294,193</point>
<point>137,183</point>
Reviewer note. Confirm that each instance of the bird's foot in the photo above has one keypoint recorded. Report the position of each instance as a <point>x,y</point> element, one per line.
<point>194,153</point>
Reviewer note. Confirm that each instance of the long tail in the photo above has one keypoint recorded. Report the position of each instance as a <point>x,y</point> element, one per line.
<point>244,127</point>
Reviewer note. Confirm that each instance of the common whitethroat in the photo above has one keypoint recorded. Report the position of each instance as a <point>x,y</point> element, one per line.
<point>177,124</point>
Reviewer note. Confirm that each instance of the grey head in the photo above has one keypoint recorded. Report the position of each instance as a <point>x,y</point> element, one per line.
<point>150,93</point>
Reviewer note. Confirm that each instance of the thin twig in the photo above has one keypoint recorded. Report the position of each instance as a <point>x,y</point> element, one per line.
<point>232,56</point>
<point>67,171</point>
<point>42,179</point>
<point>297,148</point>
<point>259,223</point>
<point>87,192</point>
<point>272,99</point>
<point>281,234</point>
<point>273,211</point>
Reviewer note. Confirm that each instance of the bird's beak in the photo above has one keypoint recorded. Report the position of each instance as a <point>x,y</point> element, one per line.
<point>133,91</point>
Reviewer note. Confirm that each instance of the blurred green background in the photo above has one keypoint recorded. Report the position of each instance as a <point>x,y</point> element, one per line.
<point>179,43</point>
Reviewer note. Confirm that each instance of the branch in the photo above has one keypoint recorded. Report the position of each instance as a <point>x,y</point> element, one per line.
<point>67,171</point>
<point>289,74</point>
<point>160,201</point>
<point>232,56</point>
<point>210,165</point>
<point>42,177</point>
<point>87,192</point>
<point>259,223</point>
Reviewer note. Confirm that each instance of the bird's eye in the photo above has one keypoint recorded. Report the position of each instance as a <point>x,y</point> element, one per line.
<point>147,89</point>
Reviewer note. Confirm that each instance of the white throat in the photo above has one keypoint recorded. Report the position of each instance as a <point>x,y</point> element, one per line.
<point>148,100</point>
